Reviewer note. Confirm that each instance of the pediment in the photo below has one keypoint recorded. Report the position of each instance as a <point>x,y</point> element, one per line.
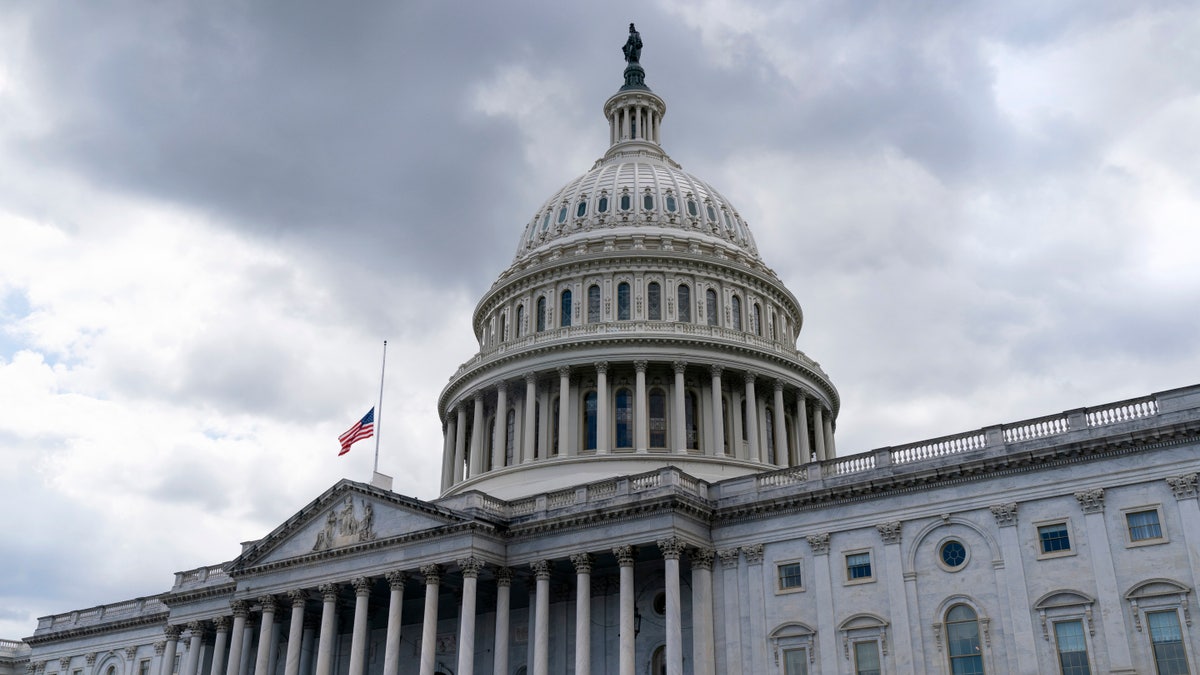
<point>1157,587</point>
<point>345,518</point>
<point>1064,598</point>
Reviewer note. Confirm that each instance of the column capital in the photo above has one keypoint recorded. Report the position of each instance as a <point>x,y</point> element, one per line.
<point>601,367</point>
<point>749,377</point>
<point>625,555</point>
<point>470,566</point>
<point>504,576</point>
<point>298,597</point>
<point>90,657</point>
<point>221,624</point>
<point>240,608</point>
<point>701,557</point>
<point>716,370</point>
<point>396,579</point>
<point>541,569</point>
<point>172,632</point>
<point>1186,486</point>
<point>362,586</point>
<point>196,628</point>
<point>531,377</point>
<point>564,371</point>
<point>1005,514</point>
<point>679,366</point>
<point>730,557</point>
<point>890,531</point>
<point>640,365</point>
<point>130,653</point>
<point>778,385</point>
<point>479,397</point>
<point>583,562</point>
<point>432,574</point>
<point>329,592</point>
<point>819,543</point>
<point>501,386</point>
<point>671,547</point>
<point>268,603</point>
<point>1091,501</point>
<point>753,553</point>
<point>159,648</point>
<point>65,662</point>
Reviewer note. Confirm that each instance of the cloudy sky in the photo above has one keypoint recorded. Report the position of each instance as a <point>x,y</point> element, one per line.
<point>213,213</point>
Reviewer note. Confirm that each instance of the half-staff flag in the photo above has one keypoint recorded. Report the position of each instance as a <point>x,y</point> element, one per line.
<point>364,428</point>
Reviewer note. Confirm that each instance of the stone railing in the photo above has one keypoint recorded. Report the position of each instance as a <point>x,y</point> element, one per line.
<point>13,649</point>
<point>592,493</point>
<point>103,614</point>
<point>201,576</point>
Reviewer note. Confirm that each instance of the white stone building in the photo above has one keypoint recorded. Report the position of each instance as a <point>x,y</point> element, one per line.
<point>639,476</point>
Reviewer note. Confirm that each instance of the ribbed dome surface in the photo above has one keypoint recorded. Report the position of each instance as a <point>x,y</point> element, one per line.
<point>635,191</point>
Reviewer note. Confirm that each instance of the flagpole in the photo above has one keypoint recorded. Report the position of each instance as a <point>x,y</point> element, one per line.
<point>379,408</point>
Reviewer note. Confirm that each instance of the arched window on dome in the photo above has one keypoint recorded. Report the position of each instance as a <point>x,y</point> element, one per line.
<point>710,308</point>
<point>546,222</point>
<point>589,420</point>
<point>774,331</point>
<point>602,204</point>
<point>623,301</point>
<point>623,416</point>
<point>541,314</point>
<point>769,431</point>
<point>657,401</point>
<point>566,308</point>
<point>654,301</point>
<point>683,301</point>
<point>554,433</point>
<point>489,442</point>
<point>670,203</point>
<point>691,207</point>
<point>736,308</point>
<point>593,302</point>
<point>581,209</point>
<point>538,451</point>
<point>510,436</point>
<point>503,332</point>
<point>727,424</point>
<point>757,320</point>
<point>520,320</point>
<point>626,202</point>
<point>562,214</point>
<point>712,213</point>
<point>647,202</point>
<point>690,420</point>
<point>962,638</point>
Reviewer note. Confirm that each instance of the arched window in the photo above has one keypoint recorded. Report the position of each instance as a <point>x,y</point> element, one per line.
<point>626,202</point>
<point>757,320</point>
<point>541,314</point>
<point>623,301</point>
<point>658,661</point>
<point>489,442</point>
<point>658,418</point>
<point>510,437</point>
<point>593,315</point>
<point>602,205</point>
<point>624,418</point>
<point>772,335</point>
<point>683,300</point>
<point>520,320</point>
<point>691,207</point>
<point>566,308</point>
<point>962,638</point>
<point>589,421</point>
<point>553,449</point>
<point>654,301</point>
<point>690,419</point>
<point>710,307</point>
<point>503,328</point>
<point>581,210</point>
<point>736,303</point>
<point>727,424</point>
<point>770,434</point>
<point>538,451</point>
<point>647,202</point>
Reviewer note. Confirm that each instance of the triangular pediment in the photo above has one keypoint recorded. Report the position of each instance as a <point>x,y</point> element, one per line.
<point>347,517</point>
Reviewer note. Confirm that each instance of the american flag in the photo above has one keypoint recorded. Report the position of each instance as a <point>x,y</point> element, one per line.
<point>364,428</point>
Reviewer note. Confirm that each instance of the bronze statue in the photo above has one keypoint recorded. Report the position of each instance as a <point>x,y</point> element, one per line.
<point>633,46</point>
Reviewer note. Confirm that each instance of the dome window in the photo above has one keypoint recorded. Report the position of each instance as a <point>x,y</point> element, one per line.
<point>654,301</point>
<point>626,202</point>
<point>546,221</point>
<point>647,202</point>
<point>670,203</point>
<point>692,208</point>
<point>712,215</point>
<point>623,301</point>
<point>581,210</point>
<point>562,215</point>
<point>728,223</point>
<point>602,205</point>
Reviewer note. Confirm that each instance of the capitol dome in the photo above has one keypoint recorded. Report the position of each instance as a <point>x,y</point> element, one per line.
<point>637,327</point>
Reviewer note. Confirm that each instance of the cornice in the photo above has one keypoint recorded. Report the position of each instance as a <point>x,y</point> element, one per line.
<point>674,502</point>
<point>100,629</point>
<point>182,597</point>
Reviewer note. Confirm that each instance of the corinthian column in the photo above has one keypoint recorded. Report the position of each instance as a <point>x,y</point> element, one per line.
<point>220,642</point>
<point>640,425</point>
<point>466,615</point>
<point>680,416</point>
<point>460,442</point>
<point>803,448</point>
<point>703,638</point>
<point>433,579</point>
<point>391,647</point>
<point>291,663</point>
<point>503,589</point>
<point>602,418</point>
<point>530,430</point>
<point>753,449</point>
<point>671,549</point>
<point>564,412</point>
<point>358,638</point>
<point>500,428</point>
<point>329,593</point>
<point>718,415</point>
<point>819,432</point>
<point>236,638</point>
<point>448,437</point>
<point>195,642</point>
<point>781,441</point>
<point>626,558</point>
<point>541,618</point>
<point>478,433</point>
<point>583,613</point>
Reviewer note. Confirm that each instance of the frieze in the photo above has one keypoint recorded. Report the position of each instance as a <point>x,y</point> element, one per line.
<point>345,526</point>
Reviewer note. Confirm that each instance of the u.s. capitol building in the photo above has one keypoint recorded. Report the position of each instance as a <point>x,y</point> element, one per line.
<point>640,476</point>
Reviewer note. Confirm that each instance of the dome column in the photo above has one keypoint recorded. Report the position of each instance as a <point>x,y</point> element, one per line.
<point>752,447</point>
<point>602,442</point>
<point>718,415</point>
<point>641,427</point>
<point>448,452</point>
<point>477,434</point>
<point>500,427</point>
<point>460,443</point>
<point>803,448</point>
<point>781,444</point>
<point>529,437</point>
<point>564,411</point>
<point>679,421</point>
<point>830,452</point>
<point>819,432</point>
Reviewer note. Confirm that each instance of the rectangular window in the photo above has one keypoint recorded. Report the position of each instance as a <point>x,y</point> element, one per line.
<point>789,576</point>
<point>795,662</point>
<point>1167,640</point>
<point>144,667</point>
<point>858,566</point>
<point>175,664</point>
<point>1143,525</point>
<point>866,658</point>
<point>1054,538</point>
<point>1072,649</point>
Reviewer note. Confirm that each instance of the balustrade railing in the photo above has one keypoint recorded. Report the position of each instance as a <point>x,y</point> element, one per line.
<point>791,476</point>
<point>1036,428</point>
<point>1122,412</point>
<point>938,447</point>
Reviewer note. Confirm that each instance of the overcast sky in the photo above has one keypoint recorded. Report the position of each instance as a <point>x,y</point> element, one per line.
<point>212,214</point>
